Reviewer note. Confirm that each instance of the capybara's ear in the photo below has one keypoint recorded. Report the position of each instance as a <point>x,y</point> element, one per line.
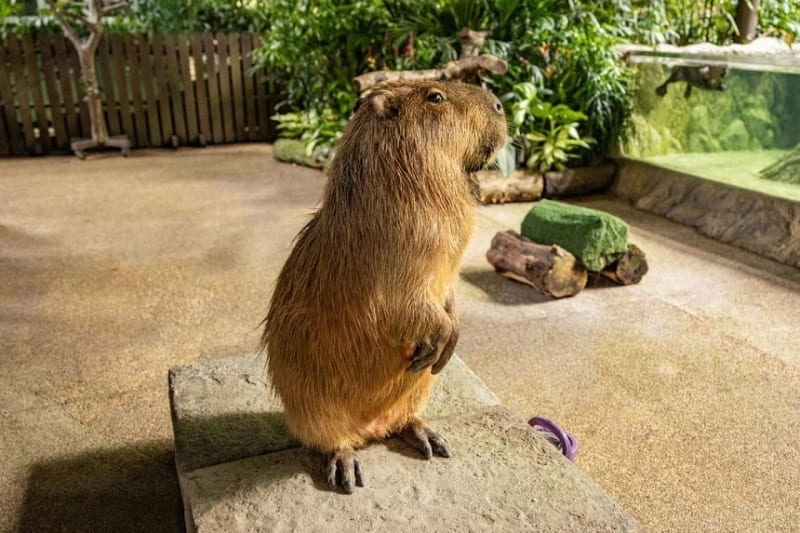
<point>384,104</point>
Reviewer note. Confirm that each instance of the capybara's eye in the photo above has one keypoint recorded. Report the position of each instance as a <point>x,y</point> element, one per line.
<point>435,97</point>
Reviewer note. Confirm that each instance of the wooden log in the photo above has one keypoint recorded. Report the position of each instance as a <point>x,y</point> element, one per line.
<point>577,181</point>
<point>465,69</point>
<point>519,187</point>
<point>785,169</point>
<point>471,41</point>
<point>550,269</point>
<point>628,269</point>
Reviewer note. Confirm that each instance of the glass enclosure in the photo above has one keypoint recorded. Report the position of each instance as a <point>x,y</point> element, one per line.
<point>732,119</point>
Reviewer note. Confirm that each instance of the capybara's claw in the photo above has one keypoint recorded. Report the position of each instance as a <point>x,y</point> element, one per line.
<point>426,440</point>
<point>424,356</point>
<point>344,471</point>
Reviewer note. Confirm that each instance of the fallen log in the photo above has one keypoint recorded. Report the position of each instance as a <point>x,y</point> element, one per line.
<point>519,187</point>
<point>628,269</point>
<point>467,69</point>
<point>577,181</point>
<point>550,269</point>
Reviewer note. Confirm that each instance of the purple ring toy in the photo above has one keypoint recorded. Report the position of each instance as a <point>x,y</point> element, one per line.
<point>566,442</point>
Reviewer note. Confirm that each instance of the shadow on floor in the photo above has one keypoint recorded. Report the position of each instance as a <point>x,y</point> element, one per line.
<point>506,291</point>
<point>132,489</point>
<point>501,289</point>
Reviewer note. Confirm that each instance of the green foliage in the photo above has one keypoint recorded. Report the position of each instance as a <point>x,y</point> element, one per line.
<point>177,16</point>
<point>780,18</point>
<point>315,47</point>
<point>318,130</point>
<point>154,16</point>
<point>549,132</point>
<point>7,9</point>
<point>683,22</point>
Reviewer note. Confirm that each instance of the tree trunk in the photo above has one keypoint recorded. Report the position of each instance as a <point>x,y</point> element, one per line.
<point>746,20</point>
<point>550,269</point>
<point>91,18</point>
<point>97,120</point>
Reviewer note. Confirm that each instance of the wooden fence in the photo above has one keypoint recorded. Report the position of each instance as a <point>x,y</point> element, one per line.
<point>161,91</point>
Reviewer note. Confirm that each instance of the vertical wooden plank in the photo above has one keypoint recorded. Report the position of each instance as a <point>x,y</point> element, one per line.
<point>54,97</point>
<point>263,104</point>
<point>65,86</point>
<point>212,66</point>
<point>15,144</point>
<point>139,113</point>
<point>83,108</point>
<point>118,67</point>
<point>35,80</point>
<point>5,147</point>
<point>249,89</point>
<point>202,90</point>
<point>237,89</point>
<point>108,92</point>
<point>176,100</point>
<point>23,92</point>
<point>186,62</point>
<point>226,101</point>
<point>148,81</point>
<point>162,89</point>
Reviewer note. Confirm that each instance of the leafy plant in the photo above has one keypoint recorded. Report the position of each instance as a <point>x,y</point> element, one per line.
<point>318,130</point>
<point>556,144</point>
<point>549,132</point>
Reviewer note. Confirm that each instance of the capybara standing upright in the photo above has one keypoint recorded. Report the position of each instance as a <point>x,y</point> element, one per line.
<point>362,316</point>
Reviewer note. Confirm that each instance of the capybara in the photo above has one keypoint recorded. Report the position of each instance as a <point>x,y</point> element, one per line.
<point>362,316</point>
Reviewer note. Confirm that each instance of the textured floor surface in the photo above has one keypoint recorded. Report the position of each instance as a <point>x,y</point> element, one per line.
<point>682,391</point>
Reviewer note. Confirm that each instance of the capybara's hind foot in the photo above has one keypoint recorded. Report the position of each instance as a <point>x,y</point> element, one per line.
<point>420,436</point>
<point>344,470</point>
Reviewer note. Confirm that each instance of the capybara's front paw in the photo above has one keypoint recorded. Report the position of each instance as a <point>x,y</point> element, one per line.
<point>420,436</point>
<point>344,470</point>
<point>425,354</point>
<point>436,350</point>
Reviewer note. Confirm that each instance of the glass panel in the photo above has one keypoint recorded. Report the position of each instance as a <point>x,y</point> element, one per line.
<point>734,120</point>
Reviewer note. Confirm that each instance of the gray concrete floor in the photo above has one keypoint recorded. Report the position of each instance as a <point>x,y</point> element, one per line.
<point>682,390</point>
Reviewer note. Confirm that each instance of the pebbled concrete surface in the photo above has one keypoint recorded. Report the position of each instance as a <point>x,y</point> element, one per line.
<point>682,391</point>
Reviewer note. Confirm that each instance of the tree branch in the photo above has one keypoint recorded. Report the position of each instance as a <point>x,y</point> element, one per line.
<point>108,8</point>
<point>63,20</point>
<point>466,69</point>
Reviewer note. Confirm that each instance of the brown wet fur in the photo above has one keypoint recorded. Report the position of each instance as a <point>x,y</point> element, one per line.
<point>370,275</point>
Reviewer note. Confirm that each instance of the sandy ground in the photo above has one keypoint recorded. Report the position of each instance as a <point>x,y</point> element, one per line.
<point>682,391</point>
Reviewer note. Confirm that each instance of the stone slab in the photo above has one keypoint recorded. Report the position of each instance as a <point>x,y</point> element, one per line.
<point>759,223</point>
<point>240,470</point>
<point>502,477</point>
<point>224,410</point>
